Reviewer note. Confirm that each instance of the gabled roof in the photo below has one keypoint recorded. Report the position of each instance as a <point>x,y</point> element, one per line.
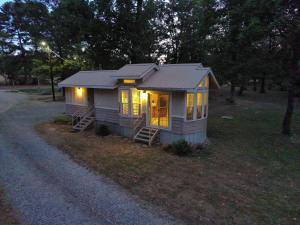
<point>135,71</point>
<point>177,77</point>
<point>165,77</point>
<point>91,79</point>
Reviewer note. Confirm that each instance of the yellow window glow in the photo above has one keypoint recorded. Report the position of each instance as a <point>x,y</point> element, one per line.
<point>199,105</point>
<point>129,81</point>
<point>136,106</point>
<point>204,82</point>
<point>189,106</point>
<point>124,102</point>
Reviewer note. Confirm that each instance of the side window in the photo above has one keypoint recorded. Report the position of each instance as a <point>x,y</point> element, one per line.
<point>199,105</point>
<point>124,102</point>
<point>189,106</point>
<point>204,83</point>
<point>136,103</point>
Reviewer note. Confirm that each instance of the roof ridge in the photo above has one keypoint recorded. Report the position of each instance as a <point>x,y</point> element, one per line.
<point>183,64</point>
<point>97,70</point>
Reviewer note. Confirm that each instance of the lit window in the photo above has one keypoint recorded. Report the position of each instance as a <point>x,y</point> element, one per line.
<point>205,104</point>
<point>199,105</point>
<point>204,83</point>
<point>136,103</point>
<point>124,102</point>
<point>129,81</point>
<point>189,106</point>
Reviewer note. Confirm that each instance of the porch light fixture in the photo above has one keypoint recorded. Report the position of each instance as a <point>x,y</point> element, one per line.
<point>79,92</point>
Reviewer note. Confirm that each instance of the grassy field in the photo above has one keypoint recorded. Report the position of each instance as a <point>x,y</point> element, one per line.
<point>248,174</point>
<point>6,215</point>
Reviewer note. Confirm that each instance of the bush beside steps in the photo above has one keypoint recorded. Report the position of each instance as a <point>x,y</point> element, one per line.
<point>103,130</point>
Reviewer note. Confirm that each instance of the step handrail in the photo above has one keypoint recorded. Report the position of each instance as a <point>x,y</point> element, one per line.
<point>138,122</point>
<point>85,114</point>
<point>78,114</point>
<point>153,136</point>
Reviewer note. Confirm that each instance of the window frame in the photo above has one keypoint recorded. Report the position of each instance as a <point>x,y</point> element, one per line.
<point>204,90</point>
<point>121,103</point>
<point>130,103</point>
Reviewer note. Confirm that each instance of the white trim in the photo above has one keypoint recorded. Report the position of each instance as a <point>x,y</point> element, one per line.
<point>148,115</point>
<point>96,107</point>
<point>177,116</point>
<point>77,104</point>
<point>204,92</point>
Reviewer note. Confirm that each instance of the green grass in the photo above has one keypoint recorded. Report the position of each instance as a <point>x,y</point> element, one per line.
<point>249,174</point>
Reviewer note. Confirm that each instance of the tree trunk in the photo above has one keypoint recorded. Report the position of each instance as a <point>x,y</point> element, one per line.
<point>254,84</point>
<point>241,91</point>
<point>262,85</point>
<point>294,76</point>
<point>287,121</point>
<point>231,98</point>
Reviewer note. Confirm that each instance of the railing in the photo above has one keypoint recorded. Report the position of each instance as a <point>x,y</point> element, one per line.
<point>79,114</point>
<point>138,122</point>
<point>152,137</point>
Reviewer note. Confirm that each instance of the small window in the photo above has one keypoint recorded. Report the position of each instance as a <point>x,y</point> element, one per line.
<point>124,102</point>
<point>189,106</point>
<point>129,81</point>
<point>204,83</point>
<point>205,104</point>
<point>199,105</point>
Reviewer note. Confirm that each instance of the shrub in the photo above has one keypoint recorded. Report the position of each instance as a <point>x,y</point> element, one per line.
<point>103,130</point>
<point>63,119</point>
<point>181,147</point>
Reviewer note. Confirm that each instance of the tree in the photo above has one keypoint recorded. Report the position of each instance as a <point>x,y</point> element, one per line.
<point>290,31</point>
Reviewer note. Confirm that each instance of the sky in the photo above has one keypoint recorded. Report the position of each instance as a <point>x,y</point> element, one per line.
<point>2,1</point>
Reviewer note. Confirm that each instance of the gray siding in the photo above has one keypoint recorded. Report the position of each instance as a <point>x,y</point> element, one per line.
<point>108,115</point>
<point>70,108</point>
<point>126,121</point>
<point>180,126</point>
<point>167,137</point>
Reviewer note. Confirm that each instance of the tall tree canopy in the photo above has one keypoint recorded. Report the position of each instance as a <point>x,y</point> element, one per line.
<point>242,41</point>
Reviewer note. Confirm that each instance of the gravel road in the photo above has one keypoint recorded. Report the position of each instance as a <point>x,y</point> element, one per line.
<point>46,187</point>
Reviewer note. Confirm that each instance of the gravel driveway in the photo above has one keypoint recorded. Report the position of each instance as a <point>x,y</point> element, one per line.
<point>46,187</point>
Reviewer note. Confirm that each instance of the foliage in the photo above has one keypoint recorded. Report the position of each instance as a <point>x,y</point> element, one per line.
<point>103,130</point>
<point>181,147</point>
<point>63,119</point>
<point>242,41</point>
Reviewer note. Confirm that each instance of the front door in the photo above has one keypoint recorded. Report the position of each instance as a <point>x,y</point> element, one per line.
<point>159,110</point>
<point>90,93</point>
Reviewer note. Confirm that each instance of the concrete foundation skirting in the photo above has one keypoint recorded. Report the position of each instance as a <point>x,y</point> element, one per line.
<point>167,137</point>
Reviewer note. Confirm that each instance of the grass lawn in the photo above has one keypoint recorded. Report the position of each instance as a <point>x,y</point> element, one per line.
<point>249,174</point>
<point>6,215</point>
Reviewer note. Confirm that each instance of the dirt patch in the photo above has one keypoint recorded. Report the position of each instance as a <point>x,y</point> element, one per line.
<point>7,216</point>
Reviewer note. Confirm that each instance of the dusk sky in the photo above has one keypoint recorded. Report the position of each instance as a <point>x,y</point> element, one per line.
<point>2,1</point>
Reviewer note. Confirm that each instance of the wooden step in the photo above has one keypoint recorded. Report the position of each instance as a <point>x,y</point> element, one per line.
<point>144,135</point>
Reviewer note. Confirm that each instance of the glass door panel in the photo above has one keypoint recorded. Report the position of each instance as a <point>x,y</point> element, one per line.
<point>164,111</point>
<point>159,110</point>
<point>154,110</point>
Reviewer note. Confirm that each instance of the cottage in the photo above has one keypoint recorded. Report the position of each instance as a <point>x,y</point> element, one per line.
<point>146,102</point>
